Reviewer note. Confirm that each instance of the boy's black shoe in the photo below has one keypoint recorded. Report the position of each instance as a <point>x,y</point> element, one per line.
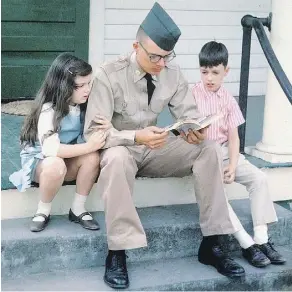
<point>255,256</point>
<point>274,256</point>
<point>116,274</point>
<point>211,253</point>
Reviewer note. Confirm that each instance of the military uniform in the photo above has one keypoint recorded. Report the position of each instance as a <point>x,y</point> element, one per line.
<point>120,94</point>
<point>126,95</point>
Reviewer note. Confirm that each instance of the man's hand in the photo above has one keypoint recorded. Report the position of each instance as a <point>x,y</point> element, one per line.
<point>153,137</point>
<point>229,174</point>
<point>194,137</point>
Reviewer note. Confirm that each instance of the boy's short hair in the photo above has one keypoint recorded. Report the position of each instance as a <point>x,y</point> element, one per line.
<point>213,54</point>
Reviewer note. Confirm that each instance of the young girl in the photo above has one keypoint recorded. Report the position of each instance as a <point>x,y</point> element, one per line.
<point>54,150</point>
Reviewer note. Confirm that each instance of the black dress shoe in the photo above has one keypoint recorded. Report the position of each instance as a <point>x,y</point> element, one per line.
<point>211,253</point>
<point>116,274</point>
<point>269,250</point>
<point>87,224</point>
<point>255,256</point>
<point>36,226</point>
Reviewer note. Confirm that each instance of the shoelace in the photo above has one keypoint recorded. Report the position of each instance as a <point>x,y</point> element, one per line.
<point>270,246</point>
<point>221,253</point>
<point>254,250</point>
<point>118,262</point>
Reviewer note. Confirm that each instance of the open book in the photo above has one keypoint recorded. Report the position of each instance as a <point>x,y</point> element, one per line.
<point>193,124</point>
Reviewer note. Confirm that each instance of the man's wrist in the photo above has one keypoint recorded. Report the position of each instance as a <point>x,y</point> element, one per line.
<point>136,137</point>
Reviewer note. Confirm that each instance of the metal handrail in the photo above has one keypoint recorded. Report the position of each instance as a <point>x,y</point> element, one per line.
<point>249,22</point>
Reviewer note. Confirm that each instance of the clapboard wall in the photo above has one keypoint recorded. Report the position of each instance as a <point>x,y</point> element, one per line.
<point>199,21</point>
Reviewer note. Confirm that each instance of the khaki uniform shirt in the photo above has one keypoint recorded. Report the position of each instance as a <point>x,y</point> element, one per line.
<point>119,93</point>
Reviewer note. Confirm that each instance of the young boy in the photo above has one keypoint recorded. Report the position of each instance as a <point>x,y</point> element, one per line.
<point>211,97</point>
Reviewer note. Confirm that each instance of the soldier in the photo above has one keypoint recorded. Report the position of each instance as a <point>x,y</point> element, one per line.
<point>131,92</point>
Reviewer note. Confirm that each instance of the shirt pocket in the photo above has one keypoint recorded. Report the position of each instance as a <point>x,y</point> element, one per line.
<point>157,106</point>
<point>125,108</point>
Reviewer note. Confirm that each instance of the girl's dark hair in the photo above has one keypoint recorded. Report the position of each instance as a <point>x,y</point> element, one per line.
<point>213,54</point>
<point>57,88</point>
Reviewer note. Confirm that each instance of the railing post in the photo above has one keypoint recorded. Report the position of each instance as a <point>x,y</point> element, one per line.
<point>244,77</point>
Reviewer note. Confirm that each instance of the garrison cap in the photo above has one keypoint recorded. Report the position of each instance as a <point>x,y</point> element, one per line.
<point>161,29</point>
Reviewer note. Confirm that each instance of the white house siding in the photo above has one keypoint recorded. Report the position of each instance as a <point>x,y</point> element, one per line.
<point>114,24</point>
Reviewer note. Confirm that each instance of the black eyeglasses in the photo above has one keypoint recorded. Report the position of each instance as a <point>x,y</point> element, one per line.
<point>156,58</point>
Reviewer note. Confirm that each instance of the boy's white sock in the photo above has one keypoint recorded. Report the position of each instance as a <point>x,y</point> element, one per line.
<point>261,234</point>
<point>44,208</point>
<point>78,206</point>
<point>244,239</point>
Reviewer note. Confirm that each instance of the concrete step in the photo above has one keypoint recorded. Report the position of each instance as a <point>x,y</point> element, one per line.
<point>170,274</point>
<point>172,232</point>
<point>148,192</point>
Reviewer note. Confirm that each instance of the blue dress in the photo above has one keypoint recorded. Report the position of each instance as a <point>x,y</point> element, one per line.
<point>71,132</point>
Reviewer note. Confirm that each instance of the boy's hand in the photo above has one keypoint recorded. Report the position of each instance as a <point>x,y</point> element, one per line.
<point>229,174</point>
<point>194,137</point>
<point>153,137</point>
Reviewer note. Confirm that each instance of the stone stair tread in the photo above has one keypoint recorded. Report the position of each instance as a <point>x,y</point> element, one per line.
<point>172,232</point>
<point>151,217</point>
<point>170,274</point>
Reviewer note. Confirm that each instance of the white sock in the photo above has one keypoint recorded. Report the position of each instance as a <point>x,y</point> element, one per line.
<point>243,238</point>
<point>261,234</point>
<point>78,206</point>
<point>44,208</point>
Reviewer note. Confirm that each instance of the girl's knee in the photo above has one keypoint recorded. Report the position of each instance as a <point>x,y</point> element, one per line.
<point>54,167</point>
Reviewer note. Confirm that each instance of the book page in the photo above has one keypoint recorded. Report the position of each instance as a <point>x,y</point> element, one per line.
<point>193,124</point>
<point>208,120</point>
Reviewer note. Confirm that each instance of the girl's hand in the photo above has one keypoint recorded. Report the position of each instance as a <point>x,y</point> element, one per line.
<point>101,123</point>
<point>229,174</point>
<point>96,141</point>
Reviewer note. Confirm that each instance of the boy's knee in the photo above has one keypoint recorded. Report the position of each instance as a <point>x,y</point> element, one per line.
<point>260,178</point>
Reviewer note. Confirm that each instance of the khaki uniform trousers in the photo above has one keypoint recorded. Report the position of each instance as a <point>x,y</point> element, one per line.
<point>120,165</point>
<point>255,181</point>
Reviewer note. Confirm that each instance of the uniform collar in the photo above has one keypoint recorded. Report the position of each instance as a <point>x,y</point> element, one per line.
<point>138,72</point>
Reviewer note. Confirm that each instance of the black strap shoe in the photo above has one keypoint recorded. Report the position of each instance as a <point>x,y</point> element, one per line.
<point>274,256</point>
<point>87,224</point>
<point>211,253</point>
<point>36,226</point>
<point>116,274</point>
<point>255,256</point>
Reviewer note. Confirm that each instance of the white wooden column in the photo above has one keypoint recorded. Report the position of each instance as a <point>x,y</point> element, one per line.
<point>276,144</point>
<point>96,33</point>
